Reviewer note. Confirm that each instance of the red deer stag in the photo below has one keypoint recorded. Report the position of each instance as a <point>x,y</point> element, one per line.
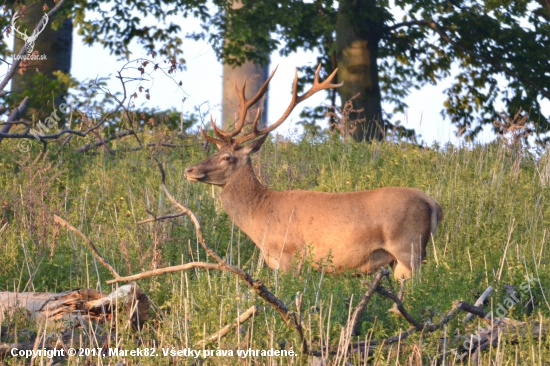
<point>360,230</point>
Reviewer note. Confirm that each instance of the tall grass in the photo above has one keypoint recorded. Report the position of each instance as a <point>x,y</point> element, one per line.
<point>497,215</point>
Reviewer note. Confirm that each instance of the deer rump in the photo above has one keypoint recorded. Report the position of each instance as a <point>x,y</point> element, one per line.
<point>362,230</point>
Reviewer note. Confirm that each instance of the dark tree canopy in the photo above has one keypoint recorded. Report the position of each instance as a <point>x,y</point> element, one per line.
<point>495,50</point>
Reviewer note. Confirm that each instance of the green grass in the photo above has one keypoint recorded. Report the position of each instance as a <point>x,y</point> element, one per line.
<point>495,200</point>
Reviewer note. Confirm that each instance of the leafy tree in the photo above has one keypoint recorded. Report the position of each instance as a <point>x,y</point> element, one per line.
<point>378,55</point>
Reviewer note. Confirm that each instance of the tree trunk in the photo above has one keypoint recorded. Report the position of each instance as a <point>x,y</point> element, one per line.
<point>237,74</point>
<point>357,46</point>
<point>56,45</point>
<point>255,75</point>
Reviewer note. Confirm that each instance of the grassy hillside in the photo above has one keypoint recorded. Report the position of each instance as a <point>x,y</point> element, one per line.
<point>496,202</point>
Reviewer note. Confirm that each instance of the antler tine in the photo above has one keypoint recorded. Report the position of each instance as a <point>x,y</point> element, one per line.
<point>296,99</point>
<point>244,105</point>
<point>320,86</point>
<point>210,138</point>
<point>221,135</point>
<point>255,122</point>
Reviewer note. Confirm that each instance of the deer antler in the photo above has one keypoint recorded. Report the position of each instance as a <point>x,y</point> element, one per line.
<point>245,104</point>
<point>296,99</point>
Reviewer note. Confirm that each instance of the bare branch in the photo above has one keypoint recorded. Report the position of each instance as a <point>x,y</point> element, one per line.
<point>54,136</point>
<point>349,329</point>
<point>288,317</point>
<point>472,309</point>
<point>160,271</point>
<point>478,303</point>
<point>14,116</point>
<point>104,141</point>
<point>98,256</point>
<point>405,24</point>
<point>382,291</point>
<point>166,217</point>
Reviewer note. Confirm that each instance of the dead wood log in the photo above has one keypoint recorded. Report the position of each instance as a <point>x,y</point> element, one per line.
<point>478,303</point>
<point>80,306</point>
<point>499,329</point>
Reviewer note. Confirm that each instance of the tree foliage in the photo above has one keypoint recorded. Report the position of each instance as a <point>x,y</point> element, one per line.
<point>495,51</point>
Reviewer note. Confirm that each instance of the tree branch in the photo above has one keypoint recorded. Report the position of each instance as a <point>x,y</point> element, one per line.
<point>478,303</point>
<point>98,256</point>
<point>288,317</point>
<point>349,329</point>
<point>443,35</point>
<point>160,271</point>
<point>153,219</point>
<point>406,24</point>
<point>117,135</point>
<point>14,116</point>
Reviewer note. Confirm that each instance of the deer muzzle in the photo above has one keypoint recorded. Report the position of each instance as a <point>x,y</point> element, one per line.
<point>193,174</point>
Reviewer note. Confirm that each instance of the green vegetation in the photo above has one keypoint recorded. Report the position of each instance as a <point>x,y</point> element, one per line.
<point>496,201</point>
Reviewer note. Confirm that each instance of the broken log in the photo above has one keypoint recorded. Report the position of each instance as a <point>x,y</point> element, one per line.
<point>78,305</point>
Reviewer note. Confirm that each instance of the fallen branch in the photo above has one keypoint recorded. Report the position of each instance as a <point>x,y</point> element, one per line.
<point>160,271</point>
<point>95,252</point>
<point>288,317</point>
<point>494,333</point>
<point>102,142</point>
<point>166,217</point>
<point>349,329</point>
<point>222,332</point>
<point>257,286</point>
<point>370,346</point>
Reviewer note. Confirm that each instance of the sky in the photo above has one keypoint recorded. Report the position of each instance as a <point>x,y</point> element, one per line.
<point>202,80</point>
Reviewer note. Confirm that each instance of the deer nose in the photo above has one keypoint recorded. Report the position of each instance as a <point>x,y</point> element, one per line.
<point>189,170</point>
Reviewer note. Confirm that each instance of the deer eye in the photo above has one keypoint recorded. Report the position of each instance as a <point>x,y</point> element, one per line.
<point>226,158</point>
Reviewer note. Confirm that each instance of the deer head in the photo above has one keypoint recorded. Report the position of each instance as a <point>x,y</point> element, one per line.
<point>233,154</point>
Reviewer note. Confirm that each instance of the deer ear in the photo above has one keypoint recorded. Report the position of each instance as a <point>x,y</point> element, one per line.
<point>254,146</point>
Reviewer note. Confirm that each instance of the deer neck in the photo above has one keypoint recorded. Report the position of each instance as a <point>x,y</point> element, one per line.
<point>243,196</point>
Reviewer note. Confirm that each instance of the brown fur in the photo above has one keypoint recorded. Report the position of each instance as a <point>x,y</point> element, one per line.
<point>362,230</point>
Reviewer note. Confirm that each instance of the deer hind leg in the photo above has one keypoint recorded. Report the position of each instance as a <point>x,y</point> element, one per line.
<point>408,259</point>
<point>402,271</point>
